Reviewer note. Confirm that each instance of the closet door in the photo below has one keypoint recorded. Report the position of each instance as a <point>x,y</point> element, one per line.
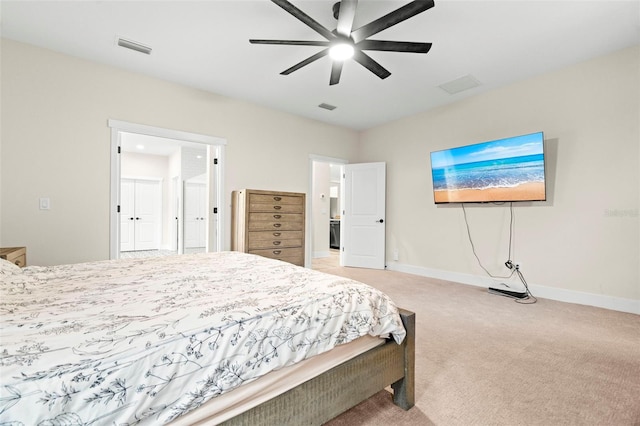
<point>195,215</point>
<point>140,214</point>
<point>147,217</point>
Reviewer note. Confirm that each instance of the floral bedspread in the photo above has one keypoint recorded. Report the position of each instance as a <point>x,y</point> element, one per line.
<point>142,341</point>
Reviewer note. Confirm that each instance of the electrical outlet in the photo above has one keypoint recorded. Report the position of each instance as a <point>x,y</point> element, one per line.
<point>395,254</point>
<point>517,265</point>
<point>45,203</point>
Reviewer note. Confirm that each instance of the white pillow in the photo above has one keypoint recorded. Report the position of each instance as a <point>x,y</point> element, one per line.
<point>9,268</point>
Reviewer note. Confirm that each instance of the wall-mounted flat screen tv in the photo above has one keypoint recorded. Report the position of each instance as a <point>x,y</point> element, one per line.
<point>502,170</point>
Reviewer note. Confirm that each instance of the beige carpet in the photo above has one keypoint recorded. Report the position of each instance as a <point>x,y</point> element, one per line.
<point>483,359</point>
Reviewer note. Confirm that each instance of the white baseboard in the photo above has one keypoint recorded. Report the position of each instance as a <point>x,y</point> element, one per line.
<point>318,254</point>
<point>571,296</point>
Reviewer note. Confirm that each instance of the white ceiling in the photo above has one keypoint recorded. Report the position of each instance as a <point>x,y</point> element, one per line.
<point>204,44</point>
<point>154,145</point>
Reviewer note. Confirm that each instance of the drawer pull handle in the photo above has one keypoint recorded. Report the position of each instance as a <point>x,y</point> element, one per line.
<point>277,198</point>
<point>277,225</point>
<point>18,263</point>
<point>277,243</point>
<point>277,234</point>
<point>277,251</point>
<point>277,216</point>
<point>277,207</point>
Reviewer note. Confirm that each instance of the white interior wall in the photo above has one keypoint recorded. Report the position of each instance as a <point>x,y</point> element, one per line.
<point>54,130</point>
<point>584,239</point>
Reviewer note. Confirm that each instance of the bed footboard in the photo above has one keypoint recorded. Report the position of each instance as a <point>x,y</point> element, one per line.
<point>344,386</point>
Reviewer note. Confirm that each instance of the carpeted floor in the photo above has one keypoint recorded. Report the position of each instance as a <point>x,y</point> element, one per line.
<point>483,359</point>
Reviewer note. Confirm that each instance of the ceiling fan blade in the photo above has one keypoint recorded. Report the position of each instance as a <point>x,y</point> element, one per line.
<point>368,62</point>
<point>304,18</point>
<point>394,46</point>
<point>305,62</point>
<point>346,16</point>
<point>405,12</point>
<point>336,70</point>
<point>291,42</point>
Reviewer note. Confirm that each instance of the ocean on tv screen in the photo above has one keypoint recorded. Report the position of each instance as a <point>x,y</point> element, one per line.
<point>510,169</point>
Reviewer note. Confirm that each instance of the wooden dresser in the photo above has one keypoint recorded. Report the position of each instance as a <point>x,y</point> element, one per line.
<point>17,255</point>
<point>269,223</point>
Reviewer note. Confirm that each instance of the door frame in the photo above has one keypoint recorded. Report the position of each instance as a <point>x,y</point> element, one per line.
<point>309,207</point>
<point>217,146</point>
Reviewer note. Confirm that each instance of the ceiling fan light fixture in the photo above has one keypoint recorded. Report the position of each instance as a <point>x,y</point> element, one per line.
<point>341,51</point>
<point>344,43</point>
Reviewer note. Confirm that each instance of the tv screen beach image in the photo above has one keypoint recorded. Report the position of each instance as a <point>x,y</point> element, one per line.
<point>510,169</point>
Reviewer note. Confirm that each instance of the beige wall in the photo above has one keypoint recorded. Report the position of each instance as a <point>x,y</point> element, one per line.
<point>585,238</point>
<point>55,143</point>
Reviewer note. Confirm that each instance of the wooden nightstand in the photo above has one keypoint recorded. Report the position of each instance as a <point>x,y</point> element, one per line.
<point>17,255</point>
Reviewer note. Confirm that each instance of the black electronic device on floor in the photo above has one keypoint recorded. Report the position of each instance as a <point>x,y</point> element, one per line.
<point>508,293</point>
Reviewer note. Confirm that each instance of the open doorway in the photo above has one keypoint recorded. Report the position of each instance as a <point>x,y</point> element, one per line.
<point>360,191</point>
<point>325,211</point>
<point>166,190</point>
<point>158,216</point>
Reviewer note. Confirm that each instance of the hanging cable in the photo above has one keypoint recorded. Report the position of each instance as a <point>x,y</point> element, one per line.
<point>515,269</point>
<point>530,298</point>
<point>473,247</point>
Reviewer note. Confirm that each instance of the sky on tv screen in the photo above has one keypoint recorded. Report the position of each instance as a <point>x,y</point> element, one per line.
<point>517,146</point>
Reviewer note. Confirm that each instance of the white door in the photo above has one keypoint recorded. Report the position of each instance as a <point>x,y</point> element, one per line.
<point>147,217</point>
<point>195,220</point>
<point>363,219</point>
<point>140,217</point>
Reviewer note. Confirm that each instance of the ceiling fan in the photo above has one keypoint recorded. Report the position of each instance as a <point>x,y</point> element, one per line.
<point>343,38</point>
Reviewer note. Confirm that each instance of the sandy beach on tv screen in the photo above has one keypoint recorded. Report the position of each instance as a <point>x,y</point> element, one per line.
<point>526,191</point>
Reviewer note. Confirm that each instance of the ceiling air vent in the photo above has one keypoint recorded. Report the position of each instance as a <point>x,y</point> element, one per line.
<point>460,84</point>
<point>327,106</point>
<point>134,45</point>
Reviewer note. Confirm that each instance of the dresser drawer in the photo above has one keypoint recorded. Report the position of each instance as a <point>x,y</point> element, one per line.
<point>21,261</point>
<point>16,255</point>
<point>275,243</point>
<point>274,217</point>
<point>259,225</point>
<point>274,235</point>
<point>277,208</point>
<point>275,199</point>
<point>291,255</point>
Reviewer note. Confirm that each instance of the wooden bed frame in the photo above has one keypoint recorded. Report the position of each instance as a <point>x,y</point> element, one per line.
<point>326,396</point>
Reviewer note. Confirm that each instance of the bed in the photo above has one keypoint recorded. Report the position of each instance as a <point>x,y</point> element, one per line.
<point>163,340</point>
